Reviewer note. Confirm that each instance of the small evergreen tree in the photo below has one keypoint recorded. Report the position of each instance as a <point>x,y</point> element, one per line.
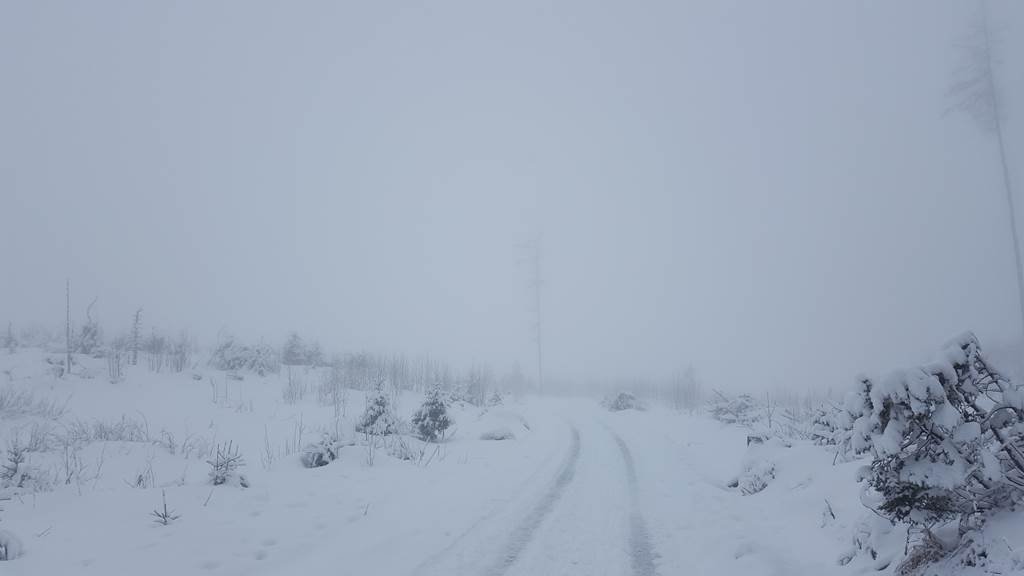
<point>294,351</point>
<point>431,420</point>
<point>314,355</point>
<point>947,439</point>
<point>378,419</point>
<point>264,359</point>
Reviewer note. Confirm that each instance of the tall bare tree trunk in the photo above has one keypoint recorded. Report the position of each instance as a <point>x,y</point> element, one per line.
<point>1007,186</point>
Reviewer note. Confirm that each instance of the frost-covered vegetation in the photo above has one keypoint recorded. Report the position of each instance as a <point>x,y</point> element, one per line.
<point>924,465</point>
<point>144,410</point>
<point>940,451</point>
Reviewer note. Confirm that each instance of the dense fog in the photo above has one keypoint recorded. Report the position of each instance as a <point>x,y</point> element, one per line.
<point>775,193</point>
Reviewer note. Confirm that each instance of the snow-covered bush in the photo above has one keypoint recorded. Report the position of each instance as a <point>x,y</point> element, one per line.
<point>296,352</point>
<point>126,429</point>
<point>14,471</point>
<point>231,356</point>
<point>21,402</point>
<point>621,401</point>
<point>824,426</point>
<point>758,467</point>
<point>225,464</point>
<point>496,399</point>
<point>10,546</point>
<point>377,419</point>
<point>947,439</point>
<point>322,452</point>
<point>228,355</point>
<point>431,420</point>
<point>871,540</point>
<point>740,409</point>
<point>89,340</point>
<point>474,388</point>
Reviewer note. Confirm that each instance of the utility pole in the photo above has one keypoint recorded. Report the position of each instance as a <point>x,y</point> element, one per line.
<point>534,255</point>
<point>67,328</point>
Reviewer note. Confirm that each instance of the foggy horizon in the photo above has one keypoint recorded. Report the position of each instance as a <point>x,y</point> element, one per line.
<point>775,195</point>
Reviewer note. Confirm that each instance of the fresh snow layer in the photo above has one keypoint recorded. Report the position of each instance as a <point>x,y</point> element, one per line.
<point>576,490</point>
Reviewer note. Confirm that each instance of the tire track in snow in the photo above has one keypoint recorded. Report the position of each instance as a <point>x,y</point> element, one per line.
<point>641,553</point>
<point>524,530</point>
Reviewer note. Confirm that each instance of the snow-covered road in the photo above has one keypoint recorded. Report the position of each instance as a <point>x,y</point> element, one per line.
<point>645,494</point>
<point>581,518</point>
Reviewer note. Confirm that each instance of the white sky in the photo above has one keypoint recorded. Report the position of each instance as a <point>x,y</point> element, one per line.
<point>769,190</point>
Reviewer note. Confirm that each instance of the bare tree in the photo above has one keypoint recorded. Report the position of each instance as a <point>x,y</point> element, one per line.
<point>975,90</point>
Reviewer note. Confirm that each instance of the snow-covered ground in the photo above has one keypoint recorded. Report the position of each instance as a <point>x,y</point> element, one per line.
<point>577,490</point>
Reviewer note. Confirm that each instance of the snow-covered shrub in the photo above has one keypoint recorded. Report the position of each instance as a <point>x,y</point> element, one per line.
<point>502,433</point>
<point>264,360</point>
<point>322,452</point>
<point>728,409</point>
<point>758,467</point>
<point>431,420</point>
<point>377,419</point>
<point>17,474</point>
<point>620,401</point>
<point>496,399</point>
<point>296,352</point>
<point>229,355</point>
<point>872,540</point>
<point>824,426</point>
<point>225,464</point>
<point>89,340</point>
<point>474,387</point>
<point>947,439</point>
<point>14,472</point>
<point>126,429</point>
<point>21,402</point>
<point>57,365</point>
<point>926,550</point>
<point>10,546</point>
<point>293,353</point>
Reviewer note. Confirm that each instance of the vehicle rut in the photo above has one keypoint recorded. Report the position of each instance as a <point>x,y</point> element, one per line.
<point>525,529</point>
<point>641,553</point>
